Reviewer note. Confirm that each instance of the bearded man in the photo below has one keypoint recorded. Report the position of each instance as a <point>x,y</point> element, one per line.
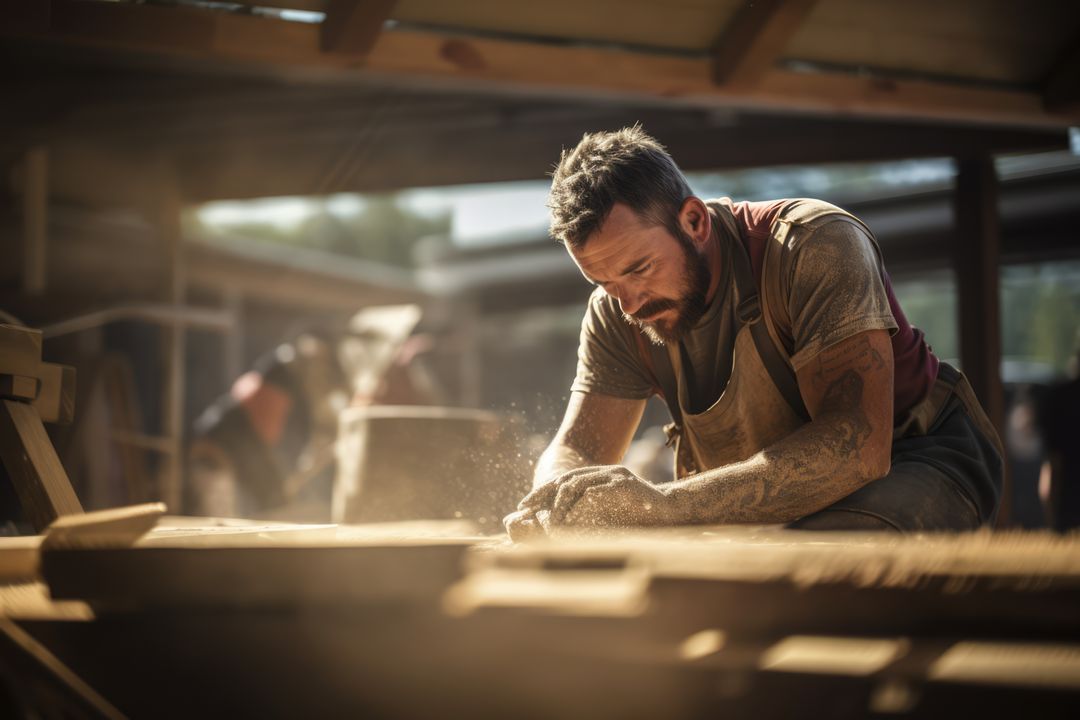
<point>799,392</point>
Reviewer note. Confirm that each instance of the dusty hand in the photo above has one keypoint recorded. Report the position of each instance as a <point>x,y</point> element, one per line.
<point>537,510</point>
<point>602,495</point>
<point>620,499</point>
<point>526,524</point>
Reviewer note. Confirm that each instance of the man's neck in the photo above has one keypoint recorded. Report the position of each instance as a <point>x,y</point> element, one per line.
<point>713,255</point>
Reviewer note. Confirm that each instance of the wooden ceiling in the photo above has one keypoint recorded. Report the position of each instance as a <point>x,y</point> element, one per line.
<point>234,100</point>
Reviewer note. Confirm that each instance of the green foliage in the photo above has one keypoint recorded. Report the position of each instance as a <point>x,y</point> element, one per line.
<point>930,305</point>
<point>384,230</point>
<point>1040,312</point>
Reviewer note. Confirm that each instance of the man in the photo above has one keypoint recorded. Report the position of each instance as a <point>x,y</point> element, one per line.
<point>798,390</point>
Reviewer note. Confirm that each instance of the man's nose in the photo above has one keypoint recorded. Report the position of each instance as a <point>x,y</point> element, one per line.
<point>630,300</point>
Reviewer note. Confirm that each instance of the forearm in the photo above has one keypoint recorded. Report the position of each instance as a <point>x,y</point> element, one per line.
<point>810,469</point>
<point>560,457</point>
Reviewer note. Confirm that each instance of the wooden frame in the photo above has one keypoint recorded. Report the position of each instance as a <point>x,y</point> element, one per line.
<point>501,64</point>
<point>755,39</point>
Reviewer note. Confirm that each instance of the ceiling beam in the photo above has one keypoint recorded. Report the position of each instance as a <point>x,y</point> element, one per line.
<point>453,62</point>
<point>353,26</point>
<point>1061,91</point>
<point>755,39</point>
<point>332,164</point>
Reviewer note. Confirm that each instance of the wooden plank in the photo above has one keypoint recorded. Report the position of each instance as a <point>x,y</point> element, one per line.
<point>31,462</point>
<point>756,38</point>
<point>115,527</point>
<point>687,25</point>
<point>295,165</point>
<point>20,350</point>
<point>874,583</point>
<point>353,26</point>
<point>976,261</point>
<point>534,67</point>
<point>18,564</point>
<point>18,387</point>
<point>1061,89</point>
<point>255,575</point>
<point>996,41</point>
<point>55,401</point>
<point>302,5</point>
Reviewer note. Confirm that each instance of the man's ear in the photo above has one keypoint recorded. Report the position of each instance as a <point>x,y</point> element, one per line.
<point>695,221</point>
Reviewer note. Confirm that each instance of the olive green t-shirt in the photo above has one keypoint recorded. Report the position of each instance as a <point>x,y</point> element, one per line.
<point>831,276</point>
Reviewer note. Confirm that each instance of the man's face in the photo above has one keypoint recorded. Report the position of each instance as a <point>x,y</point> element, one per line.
<point>661,281</point>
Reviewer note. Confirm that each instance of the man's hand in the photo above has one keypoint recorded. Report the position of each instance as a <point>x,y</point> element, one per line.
<point>595,496</point>
<point>524,525</point>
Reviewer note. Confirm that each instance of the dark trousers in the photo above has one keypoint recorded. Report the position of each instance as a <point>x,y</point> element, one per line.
<point>948,479</point>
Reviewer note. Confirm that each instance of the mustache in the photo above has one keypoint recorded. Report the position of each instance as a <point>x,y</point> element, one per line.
<point>653,307</point>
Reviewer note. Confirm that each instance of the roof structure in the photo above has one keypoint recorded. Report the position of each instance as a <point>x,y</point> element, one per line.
<point>273,97</point>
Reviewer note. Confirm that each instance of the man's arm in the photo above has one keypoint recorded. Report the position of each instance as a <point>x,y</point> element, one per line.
<point>596,430</point>
<point>848,389</point>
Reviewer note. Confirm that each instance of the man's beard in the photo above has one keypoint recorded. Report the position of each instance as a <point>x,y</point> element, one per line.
<point>688,307</point>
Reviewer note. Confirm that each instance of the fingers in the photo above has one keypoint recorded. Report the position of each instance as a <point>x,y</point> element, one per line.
<point>523,525</point>
<point>598,506</point>
<point>571,490</point>
<point>541,497</point>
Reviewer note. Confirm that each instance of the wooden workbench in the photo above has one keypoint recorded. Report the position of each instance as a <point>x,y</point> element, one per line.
<point>202,618</point>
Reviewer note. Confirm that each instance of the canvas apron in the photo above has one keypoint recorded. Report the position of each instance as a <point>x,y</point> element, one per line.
<point>751,413</point>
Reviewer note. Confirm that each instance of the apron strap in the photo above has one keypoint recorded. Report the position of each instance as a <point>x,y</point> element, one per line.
<point>749,313</point>
<point>672,402</point>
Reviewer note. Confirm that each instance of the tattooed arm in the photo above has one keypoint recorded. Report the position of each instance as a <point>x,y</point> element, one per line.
<point>848,390</point>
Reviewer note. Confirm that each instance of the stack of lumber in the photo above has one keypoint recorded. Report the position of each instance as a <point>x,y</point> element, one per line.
<point>199,618</point>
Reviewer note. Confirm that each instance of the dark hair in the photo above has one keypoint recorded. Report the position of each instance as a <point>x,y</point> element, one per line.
<point>625,166</point>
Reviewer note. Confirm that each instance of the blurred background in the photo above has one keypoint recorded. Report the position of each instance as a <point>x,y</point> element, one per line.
<point>289,245</point>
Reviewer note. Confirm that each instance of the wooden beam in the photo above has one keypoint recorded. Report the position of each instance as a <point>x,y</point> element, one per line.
<point>174,341</point>
<point>1061,91</point>
<point>755,39</point>
<point>546,70</point>
<point>976,261</point>
<point>289,166</point>
<point>31,462</point>
<point>353,26</point>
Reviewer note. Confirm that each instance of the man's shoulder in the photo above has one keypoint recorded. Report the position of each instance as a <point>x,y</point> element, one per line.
<point>812,213</point>
<point>760,217</point>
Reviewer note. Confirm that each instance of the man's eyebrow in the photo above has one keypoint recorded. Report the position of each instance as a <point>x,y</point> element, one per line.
<point>636,265</point>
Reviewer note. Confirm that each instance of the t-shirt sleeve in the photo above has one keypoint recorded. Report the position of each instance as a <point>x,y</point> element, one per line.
<point>609,360</point>
<point>836,290</point>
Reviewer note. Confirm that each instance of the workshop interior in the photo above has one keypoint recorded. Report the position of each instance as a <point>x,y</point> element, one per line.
<point>284,334</point>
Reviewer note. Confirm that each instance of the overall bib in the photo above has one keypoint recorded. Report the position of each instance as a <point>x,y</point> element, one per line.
<point>943,436</point>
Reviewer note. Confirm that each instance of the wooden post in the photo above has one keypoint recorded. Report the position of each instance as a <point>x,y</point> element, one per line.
<point>976,260</point>
<point>232,301</point>
<point>175,343</point>
<point>35,219</point>
<point>472,367</point>
<point>30,459</point>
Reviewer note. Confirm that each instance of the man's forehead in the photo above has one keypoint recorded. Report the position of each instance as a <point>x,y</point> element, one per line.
<point>608,254</point>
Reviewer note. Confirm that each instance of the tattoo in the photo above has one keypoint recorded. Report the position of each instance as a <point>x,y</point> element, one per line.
<point>859,355</point>
<point>844,397</point>
<point>800,474</point>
